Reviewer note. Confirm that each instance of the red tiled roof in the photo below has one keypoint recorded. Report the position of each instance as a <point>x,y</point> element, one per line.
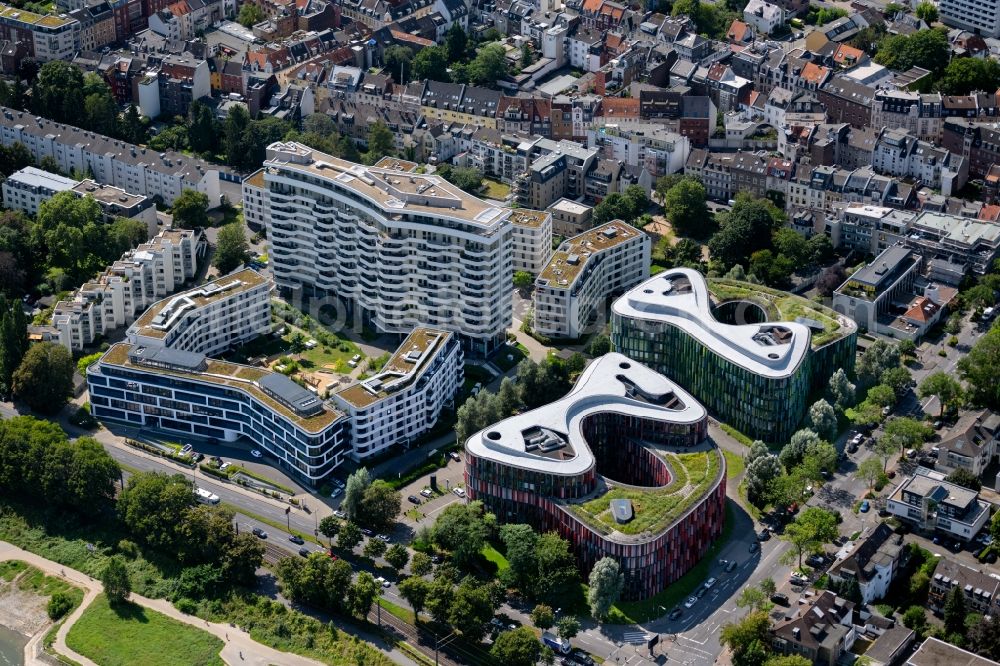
<point>990,212</point>
<point>847,55</point>
<point>619,107</point>
<point>401,36</point>
<point>738,31</point>
<point>814,73</point>
<point>592,6</point>
<point>922,309</point>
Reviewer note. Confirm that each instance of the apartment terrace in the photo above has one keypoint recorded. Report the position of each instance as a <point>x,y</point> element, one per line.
<point>393,191</point>
<point>525,217</point>
<point>149,323</point>
<point>401,370</point>
<point>396,164</point>
<point>31,18</point>
<point>232,375</point>
<point>573,255</point>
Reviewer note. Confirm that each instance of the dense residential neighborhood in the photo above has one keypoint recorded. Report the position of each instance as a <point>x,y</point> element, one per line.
<point>501,332</point>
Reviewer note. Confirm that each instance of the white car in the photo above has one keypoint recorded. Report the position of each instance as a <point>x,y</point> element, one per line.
<point>427,492</point>
<point>691,601</point>
<point>710,583</point>
<point>256,454</point>
<point>382,581</point>
<point>459,491</point>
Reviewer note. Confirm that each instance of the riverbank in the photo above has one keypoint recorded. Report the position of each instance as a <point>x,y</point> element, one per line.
<point>24,596</point>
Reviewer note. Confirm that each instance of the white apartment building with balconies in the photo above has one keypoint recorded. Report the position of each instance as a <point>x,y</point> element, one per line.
<point>130,285</point>
<point>399,249</point>
<point>532,239</point>
<point>406,397</point>
<point>210,318</point>
<point>978,16</point>
<point>583,273</point>
<point>28,188</point>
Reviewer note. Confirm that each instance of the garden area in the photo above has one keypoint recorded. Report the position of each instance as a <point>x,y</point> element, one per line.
<point>130,634</point>
<point>655,508</point>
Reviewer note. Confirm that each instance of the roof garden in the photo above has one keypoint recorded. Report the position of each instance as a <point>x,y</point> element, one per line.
<point>693,474</point>
<point>243,377</point>
<point>781,306</point>
<point>572,256</point>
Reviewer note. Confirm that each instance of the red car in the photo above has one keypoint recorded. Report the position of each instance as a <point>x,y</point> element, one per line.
<point>332,556</point>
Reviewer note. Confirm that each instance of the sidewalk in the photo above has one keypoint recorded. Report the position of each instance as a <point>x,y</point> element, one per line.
<point>239,647</point>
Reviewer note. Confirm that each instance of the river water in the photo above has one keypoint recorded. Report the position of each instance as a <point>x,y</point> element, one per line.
<point>11,647</point>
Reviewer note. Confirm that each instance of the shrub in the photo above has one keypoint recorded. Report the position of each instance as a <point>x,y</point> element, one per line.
<point>128,548</point>
<point>59,605</point>
<point>186,606</point>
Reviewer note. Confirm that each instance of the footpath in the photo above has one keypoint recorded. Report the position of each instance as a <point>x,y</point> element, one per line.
<point>239,647</point>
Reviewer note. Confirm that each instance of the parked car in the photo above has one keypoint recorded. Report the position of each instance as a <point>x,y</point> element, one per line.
<point>256,454</point>
<point>382,581</point>
<point>304,552</point>
<point>296,539</point>
<point>427,492</point>
<point>259,533</point>
<point>731,567</point>
<point>578,656</point>
<point>382,537</point>
<point>691,601</point>
<point>754,546</point>
<point>436,559</point>
<point>367,532</point>
<point>865,506</point>
<point>459,491</point>
<point>764,534</point>
<point>340,514</point>
<point>454,456</point>
<point>710,583</point>
<point>779,598</point>
<point>675,613</point>
<point>815,561</point>
<point>414,499</point>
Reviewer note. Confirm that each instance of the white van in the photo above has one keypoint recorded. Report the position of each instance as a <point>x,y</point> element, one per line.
<point>560,645</point>
<point>206,497</point>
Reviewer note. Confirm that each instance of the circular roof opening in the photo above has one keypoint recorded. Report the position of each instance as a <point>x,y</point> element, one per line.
<point>772,355</point>
<point>493,434</point>
<point>624,366</point>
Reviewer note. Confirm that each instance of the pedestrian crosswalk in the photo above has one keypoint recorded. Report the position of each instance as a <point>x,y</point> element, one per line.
<point>636,637</point>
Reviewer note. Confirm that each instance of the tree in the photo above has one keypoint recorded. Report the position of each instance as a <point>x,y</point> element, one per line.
<point>518,647</point>
<point>421,564</point>
<point>380,505</point>
<point>773,270</point>
<point>349,536</point>
<point>432,63</point>
<point>965,478</point>
<point>684,205</point>
<point>831,278</point>
<point>397,556</point>
<point>898,379</point>
<point>471,609</point>
<point>965,75</point>
<point>567,627</point>
<point>115,580</point>
<point>811,528</point>
<point>955,611</point>
<point>823,419</point>
<point>606,583</point>
<point>363,593</point>
<point>790,660</point>
<point>13,342</point>
<point>59,92</point>
<point>250,15</point>
<point>59,605</point>
<point>754,598</point>
<point>329,527</point>
<point>543,616</point>
<point>599,346</point>
<point>151,504</point>
<point>758,449</point>
<point>748,639</point>
<point>354,492</point>
<point>234,139</point>
<point>374,548</point>
<point>879,357</point>
<point>980,368</point>
<point>44,379</point>
<point>132,129</point>
<point>745,229</point>
<point>468,179</point>
<point>557,570</point>
<point>942,386</point>
<point>190,209</point>
<point>456,41</point>
<point>870,470</point>
<point>915,618</point>
<point>231,249</point>
<point>793,452</point>
<point>380,142</point>
<point>204,128</point>
<point>520,542</point>
<point>489,66</point>
<point>415,590</point>
<point>881,395</point>
<point>459,529</point>
<point>995,526</point>
<point>759,477</point>
<point>508,397</point>
<point>925,48</point>
<point>398,60</point>
<point>841,389</point>
<point>927,12</point>
<point>527,56</point>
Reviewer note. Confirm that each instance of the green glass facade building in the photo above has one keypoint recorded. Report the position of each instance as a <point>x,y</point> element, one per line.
<point>754,374</point>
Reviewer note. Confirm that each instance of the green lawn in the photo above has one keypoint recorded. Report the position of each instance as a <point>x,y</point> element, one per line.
<point>135,635</point>
<point>634,612</point>
<point>734,464</point>
<point>494,556</point>
<point>495,189</point>
<point>516,353</point>
<point>655,509</point>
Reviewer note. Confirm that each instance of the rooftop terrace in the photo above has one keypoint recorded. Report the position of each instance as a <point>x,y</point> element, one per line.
<point>525,217</point>
<point>569,260</point>
<point>242,377</point>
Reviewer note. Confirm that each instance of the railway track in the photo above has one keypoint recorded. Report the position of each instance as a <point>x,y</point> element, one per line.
<point>450,652</point>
